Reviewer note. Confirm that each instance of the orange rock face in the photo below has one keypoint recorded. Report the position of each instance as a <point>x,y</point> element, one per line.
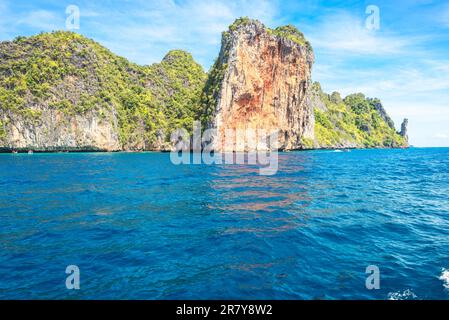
<point>264,90</point>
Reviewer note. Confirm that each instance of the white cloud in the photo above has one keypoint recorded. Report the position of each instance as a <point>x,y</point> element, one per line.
<point>345,33</point>
<point>42,20</point>
<point>143,31</point>
<point>89,13</point>
<point>36,20</point>
<point>412,83</point>
<point>403,70</point>
<point>411,79</point>
<point>150,27</point>
<point>441,136</point>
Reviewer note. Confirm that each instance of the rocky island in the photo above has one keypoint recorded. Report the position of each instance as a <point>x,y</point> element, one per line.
<point>63,92</point>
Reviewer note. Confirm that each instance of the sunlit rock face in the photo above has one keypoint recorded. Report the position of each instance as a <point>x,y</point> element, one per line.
<point>264,88</point>
<point>55,131</point>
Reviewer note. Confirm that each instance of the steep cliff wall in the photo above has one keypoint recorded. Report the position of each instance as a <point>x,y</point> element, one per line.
<point>52,130</point>
<point>261,81</point>
<point>48,95</point>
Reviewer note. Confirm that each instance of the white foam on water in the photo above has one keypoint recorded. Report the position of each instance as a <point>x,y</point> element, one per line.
<point>445,277</point>
<point>405,295</point>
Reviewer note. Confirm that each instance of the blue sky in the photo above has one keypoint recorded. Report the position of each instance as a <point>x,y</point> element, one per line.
<point>405,63</point>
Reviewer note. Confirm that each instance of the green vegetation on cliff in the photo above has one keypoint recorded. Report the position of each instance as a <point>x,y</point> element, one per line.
<point>287,32</point>
<point>65,71</point>
<point>2,132</point>
<point>177,84</point>
<point>292,33</point>
<point>355,121</point>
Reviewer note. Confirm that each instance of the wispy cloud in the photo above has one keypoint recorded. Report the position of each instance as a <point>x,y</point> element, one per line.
<point>142,30</point>
<point>195,25</point>
<point>345,33</point>
<point>43,20</point>
<point>441,136</point>
<point>399,67</point>
<point>37,20</point>
<point>421,76</point>
<point>419,92</point>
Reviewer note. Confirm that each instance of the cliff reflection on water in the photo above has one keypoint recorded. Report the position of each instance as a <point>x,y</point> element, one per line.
<point>278,204</point>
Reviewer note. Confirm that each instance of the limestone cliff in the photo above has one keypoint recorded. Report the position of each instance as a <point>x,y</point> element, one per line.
<point>62,92</point>
<point>261,81</point>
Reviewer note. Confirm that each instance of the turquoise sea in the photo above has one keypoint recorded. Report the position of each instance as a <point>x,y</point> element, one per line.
<point>139,227</point>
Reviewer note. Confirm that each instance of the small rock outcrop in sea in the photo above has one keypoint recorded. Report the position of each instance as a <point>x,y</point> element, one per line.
<point>63,92</point>
<point>404,129</point>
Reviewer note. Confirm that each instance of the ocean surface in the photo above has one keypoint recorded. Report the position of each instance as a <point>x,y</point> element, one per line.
<point>139,227</point>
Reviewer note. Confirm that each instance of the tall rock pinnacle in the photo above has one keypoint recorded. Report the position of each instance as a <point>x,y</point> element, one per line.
<point>404,129</point>
<point>261,81</point>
